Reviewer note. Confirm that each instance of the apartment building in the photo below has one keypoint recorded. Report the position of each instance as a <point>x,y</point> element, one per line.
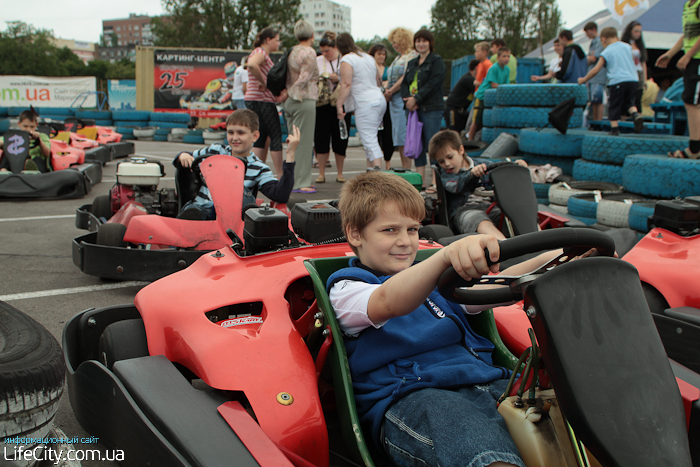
<point>132,31</point>
<point>326,16</point>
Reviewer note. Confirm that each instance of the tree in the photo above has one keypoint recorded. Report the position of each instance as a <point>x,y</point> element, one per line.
<point>459,24</point>
<point>224,24</point>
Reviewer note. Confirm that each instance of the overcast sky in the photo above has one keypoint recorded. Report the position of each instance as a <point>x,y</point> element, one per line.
<point>82,21</point>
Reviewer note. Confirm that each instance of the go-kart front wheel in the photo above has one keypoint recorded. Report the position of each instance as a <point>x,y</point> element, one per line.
<point>102,207</point>
<point>123,340</point>
<point>111,235</point>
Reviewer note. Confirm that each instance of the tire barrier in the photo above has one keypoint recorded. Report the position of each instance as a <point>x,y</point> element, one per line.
<point>489,135</point>
<point>548,141</point>
<point>169,125</point>
<point>586,170</point>
<point>131,115</point>
<point>490,98</point>
<point>487,119</point>
<point>528,117</point>
<point>559,193</point>
<point>613,149</point>
<point>639,214</point>
<point>545,95</point>
<point>542,190</point>
<point>661,177</point>
<point>174,117</point>
<point>132,123</point>
<point>193,139</point>
<point>94,114</point>
<point>585,205</point>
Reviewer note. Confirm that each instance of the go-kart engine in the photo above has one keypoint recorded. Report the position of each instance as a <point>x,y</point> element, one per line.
<point>317,222</point>
<point>265,229</point>
<point>679,216</point>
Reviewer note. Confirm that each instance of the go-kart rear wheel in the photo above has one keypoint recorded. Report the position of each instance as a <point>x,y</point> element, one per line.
<point>102,207</point>
<point>123,340</point>
<point>111,235</point>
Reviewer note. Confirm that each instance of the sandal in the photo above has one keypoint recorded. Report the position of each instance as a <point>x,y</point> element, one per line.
<point>340,179</point>
<point>321,179</point>
<point>431,190</point>
<point>314,165</point>
<point>328,163</point>
<point>684,154</point>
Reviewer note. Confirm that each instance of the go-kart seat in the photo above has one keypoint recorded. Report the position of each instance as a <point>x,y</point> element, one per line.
<point>515,194</point>
<point>443,216</point>
<point>607,363</point>
<point>320,270</point>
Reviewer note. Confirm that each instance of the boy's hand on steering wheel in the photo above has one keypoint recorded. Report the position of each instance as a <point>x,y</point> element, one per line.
<point>479,170</point>
<point>185,159</point>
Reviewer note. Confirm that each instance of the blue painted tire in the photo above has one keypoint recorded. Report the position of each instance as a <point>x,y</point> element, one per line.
<point>660,176</point>
<point>529,117</point>
<point>62,111</point>
<point>542,190</point>
<point>489,135</point>
<point>104,123</point>
<point>162,131</point>
<point>174,117</point>
<point>548,141</point>
<point>193,139</point>
<point>125,132</point>
<point>639,213</point>
<point>131,115</point>
<point>544,201</point>
<point>160,137</point>
<point>565,163</point>
<point>585,205</point>
<point>15,111</point>
<point>487,119</point>
<point>613,149</point>
<point>490,98</point>
<point>560,194</point>
<point>136,123</point>
<point>544,95</point>
<point>586,170</point>
<point>195,132</point>
<point>94,114</point>
<point>169,125</point>
<point>3,111</point>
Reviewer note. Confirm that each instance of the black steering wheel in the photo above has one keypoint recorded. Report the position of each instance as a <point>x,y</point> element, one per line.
<point>574,241</point>
<point>473,181</point>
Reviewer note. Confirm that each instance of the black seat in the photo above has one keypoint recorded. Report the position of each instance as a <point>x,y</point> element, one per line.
<point>516,196</point>
<point>607,364</point>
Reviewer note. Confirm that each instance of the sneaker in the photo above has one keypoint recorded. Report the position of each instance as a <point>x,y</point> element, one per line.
<point>638,122</point>
<point>615,131</point>
<point>30,166</point>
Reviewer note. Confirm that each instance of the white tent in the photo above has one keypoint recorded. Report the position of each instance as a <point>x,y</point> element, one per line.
<point>661,27</point>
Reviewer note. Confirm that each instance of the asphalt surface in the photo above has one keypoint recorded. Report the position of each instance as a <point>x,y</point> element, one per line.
<point>40,279</point>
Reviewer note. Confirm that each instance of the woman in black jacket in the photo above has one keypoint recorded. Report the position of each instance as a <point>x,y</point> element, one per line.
<point>421,90</point>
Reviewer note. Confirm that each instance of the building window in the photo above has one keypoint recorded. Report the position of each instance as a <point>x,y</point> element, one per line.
<point>136,27</point>
<point>119,28</point>
<point>323,14</point>
<point>129,27</point>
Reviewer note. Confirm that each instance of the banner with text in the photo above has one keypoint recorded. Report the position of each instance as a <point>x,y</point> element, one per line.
<point>41,91</point>
<point>198,82</point>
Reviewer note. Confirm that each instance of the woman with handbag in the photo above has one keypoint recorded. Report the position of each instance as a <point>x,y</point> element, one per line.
<point>360,91</point>
<point>327,130</point>
<point>421,89</point>
<point>260,100</point>
<point>300,106</point>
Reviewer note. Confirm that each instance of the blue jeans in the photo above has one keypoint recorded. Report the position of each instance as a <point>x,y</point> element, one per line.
<point>431,121</point>
<point>449,428</point>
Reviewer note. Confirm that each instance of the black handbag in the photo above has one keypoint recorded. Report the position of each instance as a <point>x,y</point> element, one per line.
<point>277,76</point>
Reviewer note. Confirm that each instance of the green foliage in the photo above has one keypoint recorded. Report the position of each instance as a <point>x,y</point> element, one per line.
<point>223,24</point>
<point>24,50</point>
<point>459,24</point>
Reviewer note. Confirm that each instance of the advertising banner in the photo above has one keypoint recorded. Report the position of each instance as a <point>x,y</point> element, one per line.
<point>41,91</point>
<point>619,9</point>
<point>121,94</point>
<point>195,81</point>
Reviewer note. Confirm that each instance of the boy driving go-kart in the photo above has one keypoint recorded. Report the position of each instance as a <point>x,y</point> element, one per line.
<point>241,132</point>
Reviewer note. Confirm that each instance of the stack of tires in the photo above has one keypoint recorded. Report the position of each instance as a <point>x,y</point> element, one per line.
<point>167,120</point>
<point>603,155</point>
<point>620,210</point>
<point>520,106</point>
<point>560,193</point>
<point>193,137</point>
<point>540,146</point>
<point>127,120</point>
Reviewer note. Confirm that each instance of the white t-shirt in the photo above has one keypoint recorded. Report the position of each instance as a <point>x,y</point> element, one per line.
<point>364,89</point>
<point>555,65</point>
<point>240,76</point>
<point>350,300</point>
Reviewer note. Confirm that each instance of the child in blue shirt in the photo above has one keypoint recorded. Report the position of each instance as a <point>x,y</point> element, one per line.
<point>498,74</point>
<point>424,382</point>
<point>241,132</point>
<point>623,79</point>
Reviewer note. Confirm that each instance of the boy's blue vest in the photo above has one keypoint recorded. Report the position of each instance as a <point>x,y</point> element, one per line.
<point>432,347</point>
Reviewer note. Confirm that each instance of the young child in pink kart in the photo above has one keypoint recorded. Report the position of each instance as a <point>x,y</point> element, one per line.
<point>241,132</point>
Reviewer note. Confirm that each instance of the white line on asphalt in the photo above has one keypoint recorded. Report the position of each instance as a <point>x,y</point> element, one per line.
<point>54,292</point>
<point>38,218</point>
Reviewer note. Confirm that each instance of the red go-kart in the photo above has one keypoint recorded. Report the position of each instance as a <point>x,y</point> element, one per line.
<point>234,361</point>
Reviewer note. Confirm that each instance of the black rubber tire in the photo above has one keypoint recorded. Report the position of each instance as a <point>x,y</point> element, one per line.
<point>545,95</point>
<point>123,340</point>
<point>434,232</point>
<point>596,171</point>
<point>489,135</point>
<point>111,235</point>
<point>31,374</point>
<point>490,98</point>
<point>548,141</point>
<point>528,117</point>
<point>614,149</point>
<point>102,207</point>
<point>558,194</point>
<point>566,164</point>
<point>661,177</point>
<point>656,301</point>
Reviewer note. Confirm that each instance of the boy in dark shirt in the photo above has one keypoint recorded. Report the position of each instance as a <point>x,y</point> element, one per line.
<point>460,98</point>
